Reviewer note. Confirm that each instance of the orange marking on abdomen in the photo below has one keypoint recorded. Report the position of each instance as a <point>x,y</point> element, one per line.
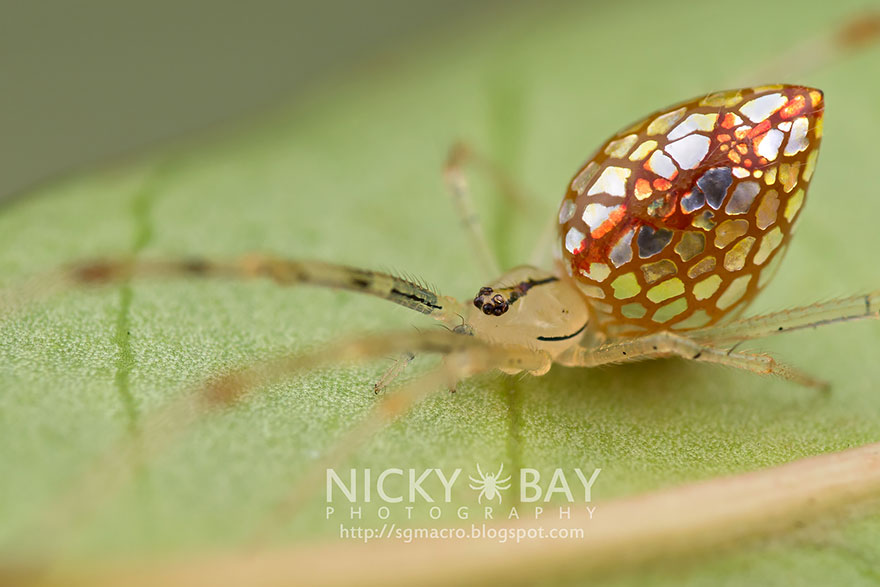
<point>613,219</point>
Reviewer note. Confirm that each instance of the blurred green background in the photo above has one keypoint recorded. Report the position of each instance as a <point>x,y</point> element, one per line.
<point>90,80</point>
<point>346,168</point>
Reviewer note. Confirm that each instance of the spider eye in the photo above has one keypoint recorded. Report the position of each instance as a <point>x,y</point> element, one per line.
<point>495,306</point>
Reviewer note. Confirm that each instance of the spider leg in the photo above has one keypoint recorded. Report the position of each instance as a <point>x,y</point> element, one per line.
<point>462,154</point>
<point>853,35</point>
<point>860,307</point>
<point>667,344</point>
<point>464,356</point>
<point>289,272</point>
<point>397,367</point>
<point>292,272</point>
<point>459,156</point>
<point>461,360</point>
<point>457,185</point>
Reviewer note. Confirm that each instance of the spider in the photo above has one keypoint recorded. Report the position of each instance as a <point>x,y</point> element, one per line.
<point>664,236</point>
<point>662,239</point>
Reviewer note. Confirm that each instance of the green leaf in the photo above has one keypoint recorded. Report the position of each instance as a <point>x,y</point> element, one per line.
<point>351,174</point>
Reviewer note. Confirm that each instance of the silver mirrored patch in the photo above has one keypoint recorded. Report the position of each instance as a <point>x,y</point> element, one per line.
<point>689,151</point>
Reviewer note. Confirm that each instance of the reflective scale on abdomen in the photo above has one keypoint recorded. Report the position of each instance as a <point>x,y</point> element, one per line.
<point>677,221</point>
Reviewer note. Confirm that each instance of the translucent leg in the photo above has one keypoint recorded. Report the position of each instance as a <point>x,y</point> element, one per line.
<point>458,364</point>
<point>666,344</point>
<point>404,292</point>
<point>464,206</point>
<point>399,366</point>
<point>461,155</point>
<point>407,293</point>
<point>855,34</point>
<point>859,307</point>
<point>464,356</point>
<point>459,191</point>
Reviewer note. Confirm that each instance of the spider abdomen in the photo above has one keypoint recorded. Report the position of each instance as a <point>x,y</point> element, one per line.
<point>677,221</point>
